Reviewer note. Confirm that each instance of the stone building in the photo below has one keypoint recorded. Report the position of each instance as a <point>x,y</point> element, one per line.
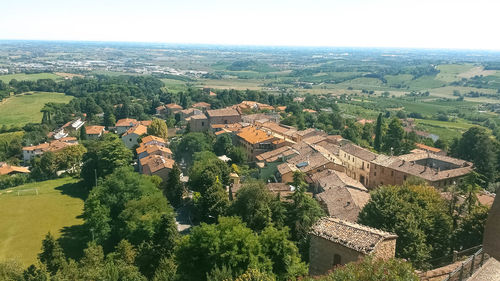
<point>223,116</point>
<point>357,161</point>
<point>339,195</point>
<point>338,242</point>
<point>256,141</point>
<point>198,123</point>
<point>437,170</point>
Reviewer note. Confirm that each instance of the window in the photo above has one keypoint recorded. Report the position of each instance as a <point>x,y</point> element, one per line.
<point>404,177</point>
<point>368,166</point>
<point>336,259</point>
<point>392,173</point>
<point>130,139</point>
<point>225,121</point>
<point>202,123</point>
<point>375,173</point>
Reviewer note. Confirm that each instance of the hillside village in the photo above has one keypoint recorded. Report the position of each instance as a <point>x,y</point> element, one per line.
<point>338,174</point>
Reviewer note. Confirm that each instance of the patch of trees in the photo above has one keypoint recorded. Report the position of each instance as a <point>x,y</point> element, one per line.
<point>428,226</point>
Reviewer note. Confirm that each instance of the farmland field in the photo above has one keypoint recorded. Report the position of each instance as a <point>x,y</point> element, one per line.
<point>30,77</point>
<point>27,218</point>
<point>21,109</point>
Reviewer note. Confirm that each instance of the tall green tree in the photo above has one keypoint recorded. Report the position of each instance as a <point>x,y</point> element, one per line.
<point>103,157</point>
<point>377,143</point>
<point>393,139</point>
<point>158,128</point>
<point>252,204</point>
<point>283,253</point>
<point>417,214</point>
<point>229,243</point>
<point>83,133</point>
<point>52,255</point>
<point>223,144</point>
<point>173,188</point>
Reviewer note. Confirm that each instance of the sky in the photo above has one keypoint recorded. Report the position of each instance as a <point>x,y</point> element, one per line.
<point>456,24</point>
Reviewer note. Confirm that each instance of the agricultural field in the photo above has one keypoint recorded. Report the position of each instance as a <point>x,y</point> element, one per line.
<point>25,108</point>
<point>27,217</point>
<point>446,130</point>
<point>30,77</point>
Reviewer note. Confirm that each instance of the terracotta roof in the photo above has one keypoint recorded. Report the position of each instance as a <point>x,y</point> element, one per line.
<point>173,106</point>
<point>408,164</point>
<point>146,123</point>
<point>150,149</point>
<point>253,135</point>
<point>429,148</point>
<point>304,163</point>
<point>230,127</point>
<point>160,108</point>
<point>153,138</point>
<point>54,145</point>
<point>352,235</point>
<point>201,105</point>
<point>158,162</point>
<point>309,110</point>
<point>273,155</point>
<point>358,151</point>
<point>68,139</point>
<point>127,122</point>
<point>138,130</point>
<point>343,197</point>
<point>94,130</point>
<point>486,198</point>
<point>365,121</point>
<point>6,169</point>
<point>222,112</point>
<point>281,108</point>
<point>199,117</point>
<point>212,94</point>
<point>189,111</point>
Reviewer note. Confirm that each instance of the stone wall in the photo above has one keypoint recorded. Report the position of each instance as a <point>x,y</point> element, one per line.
<point>386,249</point>
<point>322,252</point>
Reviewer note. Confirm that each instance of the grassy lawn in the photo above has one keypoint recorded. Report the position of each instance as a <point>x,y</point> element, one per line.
<point>31,77</point>
<point>21,109</point>
<point>25,219</point>
<point>450,72</point>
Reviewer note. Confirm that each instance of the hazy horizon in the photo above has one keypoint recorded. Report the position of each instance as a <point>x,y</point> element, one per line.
<point>427,24</point>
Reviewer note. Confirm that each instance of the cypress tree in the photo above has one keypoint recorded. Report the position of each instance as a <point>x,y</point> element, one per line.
<point>377,144</point>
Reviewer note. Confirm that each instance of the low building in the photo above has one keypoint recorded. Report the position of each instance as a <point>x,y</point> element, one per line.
<point>437,170</point>
<point>357,161</point>
<point>173,108</point>
<point>123,125</point>
<point>6,169</point>
<point>255,141</point>
<point>185,113</point>
<point>154,140</point>
<point>146,150</point>
<point>223,116</point>
<point>261,118</point>
<point>253,106</point>
<point>339,195</point>
<point>198,123</point>
<point>425,148</point>
<point>201,106</point>
<point>337,242</point>
<point>74,125</point>
<point>131,136</point>
<point>29,152</point>
<point>94,132</point>
<point>161,110</point>
<point>157,165</point>
<point>307,133</point>
<point>308,163</point>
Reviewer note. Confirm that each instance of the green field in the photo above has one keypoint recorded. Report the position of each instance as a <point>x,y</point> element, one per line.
<point>25,219</point>
<point>31,77</point>
<point>21,109</point>
<point>444,129</point>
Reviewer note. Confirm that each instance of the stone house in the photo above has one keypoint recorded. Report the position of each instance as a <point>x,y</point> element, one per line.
<point>356,161</point>
<point>123,125</point>
<point>29,152</point>
<point>173,108</point>
<point>339,195</point>
<point>223,116</point>
<point>201,106</point>
<point>255,141</point>
<point>198,123</point>
<point>437,170</point>
<point>157,165</point>
<point>131,136</point>
<point>337,242</point>
<point>94,132</point>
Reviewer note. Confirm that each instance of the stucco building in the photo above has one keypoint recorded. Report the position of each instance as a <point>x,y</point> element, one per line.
<point>356,161</point>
